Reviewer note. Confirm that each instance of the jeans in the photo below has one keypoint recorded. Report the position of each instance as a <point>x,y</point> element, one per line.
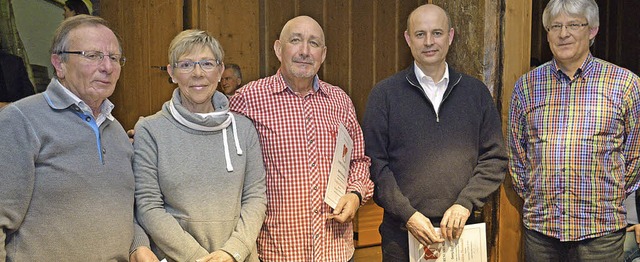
<point>631,250</point>
<point>539,247</point>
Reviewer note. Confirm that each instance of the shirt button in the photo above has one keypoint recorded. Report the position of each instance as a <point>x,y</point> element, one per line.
<point>104,151</point>
<point>313,164</point>
<point>315,211</point>
<point>310,141</point>
<point>88,119</point>
<point>315,188</point>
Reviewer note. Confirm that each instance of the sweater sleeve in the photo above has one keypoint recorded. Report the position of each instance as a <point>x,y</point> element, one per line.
<point>140,238</point>
<point>492,159</point>
<point>17,162</point>
<point>163,228</point>
<point>387,193</point>
<point>254,202</point>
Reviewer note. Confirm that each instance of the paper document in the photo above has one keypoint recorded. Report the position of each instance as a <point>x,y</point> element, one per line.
<point>470,247</point>
<point>337,184</point>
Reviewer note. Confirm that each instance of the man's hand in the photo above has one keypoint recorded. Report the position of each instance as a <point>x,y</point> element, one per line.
<point>217,256</point>
<point>131,133</point>
<point>143,254</point>
<point>453,221</point>
<point>422,229</point>
<point>346,208</point>
<point>635,228</point>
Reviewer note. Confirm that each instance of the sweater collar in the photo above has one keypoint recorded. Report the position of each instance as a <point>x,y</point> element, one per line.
<point>218,120</point>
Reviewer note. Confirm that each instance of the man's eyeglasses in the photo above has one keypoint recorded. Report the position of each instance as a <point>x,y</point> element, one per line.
<point>188,66</point>
<point>97,56</point>
<point>555,28</point>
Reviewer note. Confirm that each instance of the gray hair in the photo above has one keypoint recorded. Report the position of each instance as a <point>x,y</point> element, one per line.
<point>187,40</point>
<point>235,68</point>
<point>586,8</point>
<point>61,36</point>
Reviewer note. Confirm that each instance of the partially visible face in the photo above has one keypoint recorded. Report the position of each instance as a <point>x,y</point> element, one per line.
<point>429,36</point>
<point>68,13</point>
<point>301,49</point>
<point>570,47</point>
<point>91,81</point>
<point>198,86</point>
<point>229,82</point>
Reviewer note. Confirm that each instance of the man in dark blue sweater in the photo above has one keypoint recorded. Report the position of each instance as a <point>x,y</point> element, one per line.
<point>435,141</point>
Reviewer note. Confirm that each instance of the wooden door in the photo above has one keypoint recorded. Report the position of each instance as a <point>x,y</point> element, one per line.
<point>146,28</point>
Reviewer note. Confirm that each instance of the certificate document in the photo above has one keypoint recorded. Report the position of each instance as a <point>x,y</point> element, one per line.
<point>470,247</point>
<point>337,184</point>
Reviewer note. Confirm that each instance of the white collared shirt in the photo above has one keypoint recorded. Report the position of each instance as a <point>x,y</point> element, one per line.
<point>105,108</point>
<point>433,90</point>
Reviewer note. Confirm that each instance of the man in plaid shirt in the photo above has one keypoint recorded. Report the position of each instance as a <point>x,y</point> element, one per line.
<point>297,116</point>
<point>573,138</point>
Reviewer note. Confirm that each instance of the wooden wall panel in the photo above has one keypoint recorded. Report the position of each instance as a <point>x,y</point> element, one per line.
<point>467,50</point>
<point>385,39</point>
<point>236,26</point>
<point>404,59</point>
<point>362,52</point>
<point>146,28</point>
<point>516,52</point>
<point>276,14</point>
<point>336,69</point>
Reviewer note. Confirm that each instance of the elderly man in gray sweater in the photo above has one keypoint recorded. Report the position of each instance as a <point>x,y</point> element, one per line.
<point>65,165</point>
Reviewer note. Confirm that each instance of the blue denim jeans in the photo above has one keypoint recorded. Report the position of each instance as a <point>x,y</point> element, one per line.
<point>542,248</point>
<point>631,250</point>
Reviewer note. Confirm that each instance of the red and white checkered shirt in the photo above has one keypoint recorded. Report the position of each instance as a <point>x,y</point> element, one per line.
<point>298,138</point>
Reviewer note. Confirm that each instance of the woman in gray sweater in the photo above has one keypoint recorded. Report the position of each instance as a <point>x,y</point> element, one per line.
<point>200,187</point>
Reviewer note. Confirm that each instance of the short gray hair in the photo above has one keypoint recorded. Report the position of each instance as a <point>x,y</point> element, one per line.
<point>235,68</point>
<point>60,41</point>
<point>187,40</point>
<point>586,8</point>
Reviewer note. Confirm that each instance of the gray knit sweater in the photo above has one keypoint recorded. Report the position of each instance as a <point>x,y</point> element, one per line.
<point>187,200</point>
<point>66,191</point>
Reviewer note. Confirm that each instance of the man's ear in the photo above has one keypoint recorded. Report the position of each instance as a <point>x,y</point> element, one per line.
<point>451,33</point>
<point>58,64</point>
<point>593,31</point>
<point>277,47</point>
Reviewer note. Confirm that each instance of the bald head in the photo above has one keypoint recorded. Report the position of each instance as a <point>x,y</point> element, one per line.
<point>428,10</point>
<point>301,50</point>
<point>301,24</point>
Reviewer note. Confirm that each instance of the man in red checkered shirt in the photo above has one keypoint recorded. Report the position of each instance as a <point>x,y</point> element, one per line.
<point>297,116</point>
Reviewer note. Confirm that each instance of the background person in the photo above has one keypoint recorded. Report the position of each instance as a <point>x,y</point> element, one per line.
<point>200,189</point>
<point>435,141</point>
<point>231,79</point>
<point>14,80</point>
<point>77,7</point>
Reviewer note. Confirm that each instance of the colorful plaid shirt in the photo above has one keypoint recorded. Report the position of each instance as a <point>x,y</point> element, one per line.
<point>298,138</point>
<point>574,148</point>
